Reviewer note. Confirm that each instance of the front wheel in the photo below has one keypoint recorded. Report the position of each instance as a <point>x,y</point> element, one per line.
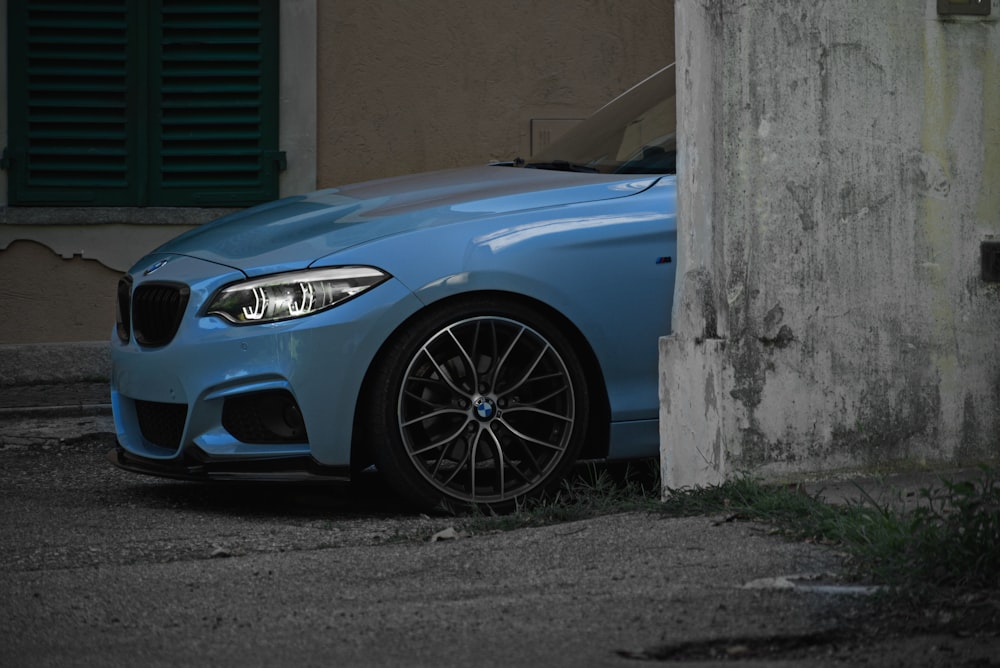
<point>477,403</point>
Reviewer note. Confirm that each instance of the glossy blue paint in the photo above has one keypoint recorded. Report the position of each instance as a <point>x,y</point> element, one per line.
<point>296,231</point>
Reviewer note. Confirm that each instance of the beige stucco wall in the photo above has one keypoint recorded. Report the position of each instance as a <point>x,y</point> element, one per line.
<point>60,279</point>
<point>49,299</point>
<point>368,89</point>
<point>414,86</point>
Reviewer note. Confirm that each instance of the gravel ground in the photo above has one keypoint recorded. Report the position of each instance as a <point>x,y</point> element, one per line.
<point>103,567</point>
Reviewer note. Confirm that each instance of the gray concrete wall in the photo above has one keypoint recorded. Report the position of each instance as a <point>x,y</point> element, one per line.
<point>841,169</point>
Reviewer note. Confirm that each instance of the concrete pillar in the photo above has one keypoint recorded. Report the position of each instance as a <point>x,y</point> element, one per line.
<point>838,176</point>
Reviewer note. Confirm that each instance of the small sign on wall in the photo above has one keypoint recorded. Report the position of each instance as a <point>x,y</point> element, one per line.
<point>966,7</point>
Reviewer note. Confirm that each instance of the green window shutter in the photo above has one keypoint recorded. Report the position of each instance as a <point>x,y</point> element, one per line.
<point>139,103</point>
<point>72,129</point>
<point>214,128</point>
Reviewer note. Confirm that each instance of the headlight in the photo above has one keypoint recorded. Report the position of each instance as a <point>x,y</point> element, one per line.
<point>292,295</point>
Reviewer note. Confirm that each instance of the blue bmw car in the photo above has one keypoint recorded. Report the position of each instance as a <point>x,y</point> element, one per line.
<point>470,333</point>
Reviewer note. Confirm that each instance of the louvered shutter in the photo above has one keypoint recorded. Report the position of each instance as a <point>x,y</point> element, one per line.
<point>73,128</point>
<point>215,109</point>
<point>139,103</point>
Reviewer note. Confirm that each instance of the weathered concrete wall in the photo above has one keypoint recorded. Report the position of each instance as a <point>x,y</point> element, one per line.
<point>841,164</point>
<point>60,278</point>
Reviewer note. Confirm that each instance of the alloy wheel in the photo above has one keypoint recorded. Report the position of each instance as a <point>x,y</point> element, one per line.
<point>486,409</point>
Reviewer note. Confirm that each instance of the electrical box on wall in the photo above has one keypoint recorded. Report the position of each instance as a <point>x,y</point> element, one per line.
<point>990,252</point>
<point>966,7</point>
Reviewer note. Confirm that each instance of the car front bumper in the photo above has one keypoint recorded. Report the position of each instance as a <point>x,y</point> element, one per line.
<point>277,396</point>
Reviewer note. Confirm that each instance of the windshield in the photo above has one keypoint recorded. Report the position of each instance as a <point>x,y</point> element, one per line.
<point>633,134</point>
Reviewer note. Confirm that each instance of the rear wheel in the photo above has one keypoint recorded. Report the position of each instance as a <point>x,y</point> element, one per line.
<point>477,403</point>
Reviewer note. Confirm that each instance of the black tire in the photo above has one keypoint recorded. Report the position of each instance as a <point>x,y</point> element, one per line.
<point>476,403</point>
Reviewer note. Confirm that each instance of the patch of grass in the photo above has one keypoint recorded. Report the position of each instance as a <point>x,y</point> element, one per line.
<point>944,549</point>
<point>951,540</point>
<point>788,508</point>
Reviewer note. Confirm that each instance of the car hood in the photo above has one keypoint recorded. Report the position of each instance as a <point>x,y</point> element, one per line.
<point>294,232</point>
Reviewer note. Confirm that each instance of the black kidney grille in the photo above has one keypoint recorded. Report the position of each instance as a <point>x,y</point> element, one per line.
<point>161,424</point>
<point>157,310</point>
<point>124,308</point>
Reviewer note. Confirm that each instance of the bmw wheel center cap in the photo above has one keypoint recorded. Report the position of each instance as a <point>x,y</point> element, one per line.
<point>484,408</point>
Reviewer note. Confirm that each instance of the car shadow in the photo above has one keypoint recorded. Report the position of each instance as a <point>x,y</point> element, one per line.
<point>365,498</point>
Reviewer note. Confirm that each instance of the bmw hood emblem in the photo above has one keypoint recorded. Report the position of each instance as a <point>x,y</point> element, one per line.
<point>153,267</point>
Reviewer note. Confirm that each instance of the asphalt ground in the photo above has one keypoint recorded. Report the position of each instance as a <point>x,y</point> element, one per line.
<point>102,567</point>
